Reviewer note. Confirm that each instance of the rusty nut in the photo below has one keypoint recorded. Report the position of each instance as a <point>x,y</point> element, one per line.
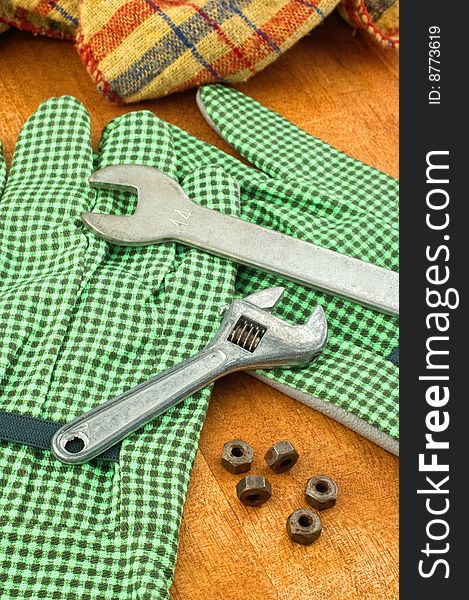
<point>253,490</point>
<point>281,456</point>
<point>237,456</point>
<point>321,492</point>
<point>304,526</point>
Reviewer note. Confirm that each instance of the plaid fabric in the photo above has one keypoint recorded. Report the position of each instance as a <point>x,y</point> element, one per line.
<point>379,18</point>
<point>54,18</point>
<point>146,49</point>
<point>81,322</point>
<point>310,190</point>
<point>138,49</point>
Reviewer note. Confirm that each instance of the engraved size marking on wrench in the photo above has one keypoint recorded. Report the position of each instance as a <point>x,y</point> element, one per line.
<point>235,239</point>
<point>185,215</point>
<point>249,337</point>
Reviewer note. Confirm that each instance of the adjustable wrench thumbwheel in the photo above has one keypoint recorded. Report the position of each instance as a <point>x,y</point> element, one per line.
<point>249,337</point>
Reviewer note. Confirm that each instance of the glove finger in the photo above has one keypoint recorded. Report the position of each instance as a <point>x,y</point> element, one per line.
<point>135,138</point>
<point>193,296</point>
<point>52,161</point>
<point>283,204</point>
<point>42,257</point>
<point>3,172</point>
<point>297,208</point>
<point>138,138</point>
<point>285,151</point>
<point>46,191</point>
<point>121,285</point>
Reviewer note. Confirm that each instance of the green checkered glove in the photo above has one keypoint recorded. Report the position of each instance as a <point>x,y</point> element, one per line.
<point>307,189</point>
<point>3,171</point>
<point>82,321</point>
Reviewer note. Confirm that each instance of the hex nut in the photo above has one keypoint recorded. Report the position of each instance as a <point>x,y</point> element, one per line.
<point>236,456</point>
<point>304,526</point>
<point>321,492</point>
<point>253,490</point>
<point>281,456</point>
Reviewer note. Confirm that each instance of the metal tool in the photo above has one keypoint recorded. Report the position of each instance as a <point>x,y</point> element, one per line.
<point>165,213</point>
<point>249,338</point>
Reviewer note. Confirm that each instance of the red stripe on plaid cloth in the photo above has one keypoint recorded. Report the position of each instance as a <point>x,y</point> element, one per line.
<point>359,16</point>
<point>280,28</point>
<point>236,50</point>
<point>43,7</point>
<point>92,67</point>
<point>295,14</point>
<point>119,26</point>
<point>122,23</point>
<point>21,21</point>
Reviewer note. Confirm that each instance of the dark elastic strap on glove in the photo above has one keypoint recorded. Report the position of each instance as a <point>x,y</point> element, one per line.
<point>31,431</point>
<point>394,357</point>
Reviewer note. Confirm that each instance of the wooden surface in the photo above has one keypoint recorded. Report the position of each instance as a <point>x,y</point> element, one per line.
<point>343,89</point>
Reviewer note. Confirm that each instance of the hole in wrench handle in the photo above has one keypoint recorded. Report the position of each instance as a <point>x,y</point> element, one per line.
<point>107,424</point>
<point>270,342</point>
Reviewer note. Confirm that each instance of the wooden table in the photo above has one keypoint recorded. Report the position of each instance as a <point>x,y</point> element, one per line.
<point>343,89</point>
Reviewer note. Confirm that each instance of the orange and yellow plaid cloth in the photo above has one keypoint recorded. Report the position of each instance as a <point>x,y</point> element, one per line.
<point>137,49</point>
<point>380,18</point>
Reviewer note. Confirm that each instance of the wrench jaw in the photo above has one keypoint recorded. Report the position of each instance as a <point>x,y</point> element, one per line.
<point>285,345</point>
<point>114,178</point>
<point>315,331</point>
<point>252,338</point>
<point>249,337</point>
<point>266,299</point>
<point>112,228</point>
<point>158,198</point>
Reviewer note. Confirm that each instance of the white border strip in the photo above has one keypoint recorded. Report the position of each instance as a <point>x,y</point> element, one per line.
<point>337,413</point>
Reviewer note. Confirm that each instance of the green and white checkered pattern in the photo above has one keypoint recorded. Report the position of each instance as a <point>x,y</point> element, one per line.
<point>310,190</point>
<point>82,321</point>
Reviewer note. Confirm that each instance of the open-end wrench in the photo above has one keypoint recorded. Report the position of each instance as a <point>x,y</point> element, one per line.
<point>165,213</point>
<point>249,338</point>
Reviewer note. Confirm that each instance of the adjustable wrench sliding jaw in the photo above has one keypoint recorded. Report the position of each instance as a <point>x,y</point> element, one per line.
<point>165,213</point>
<point>249,338</point>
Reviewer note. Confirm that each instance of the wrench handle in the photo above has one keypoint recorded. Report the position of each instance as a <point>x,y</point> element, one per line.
<point>164,213</point>
<point>112,421</point>
<point>299,261</point>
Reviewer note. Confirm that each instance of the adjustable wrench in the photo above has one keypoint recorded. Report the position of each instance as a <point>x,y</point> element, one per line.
<point>249,338</point>
<point>165,213</point>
